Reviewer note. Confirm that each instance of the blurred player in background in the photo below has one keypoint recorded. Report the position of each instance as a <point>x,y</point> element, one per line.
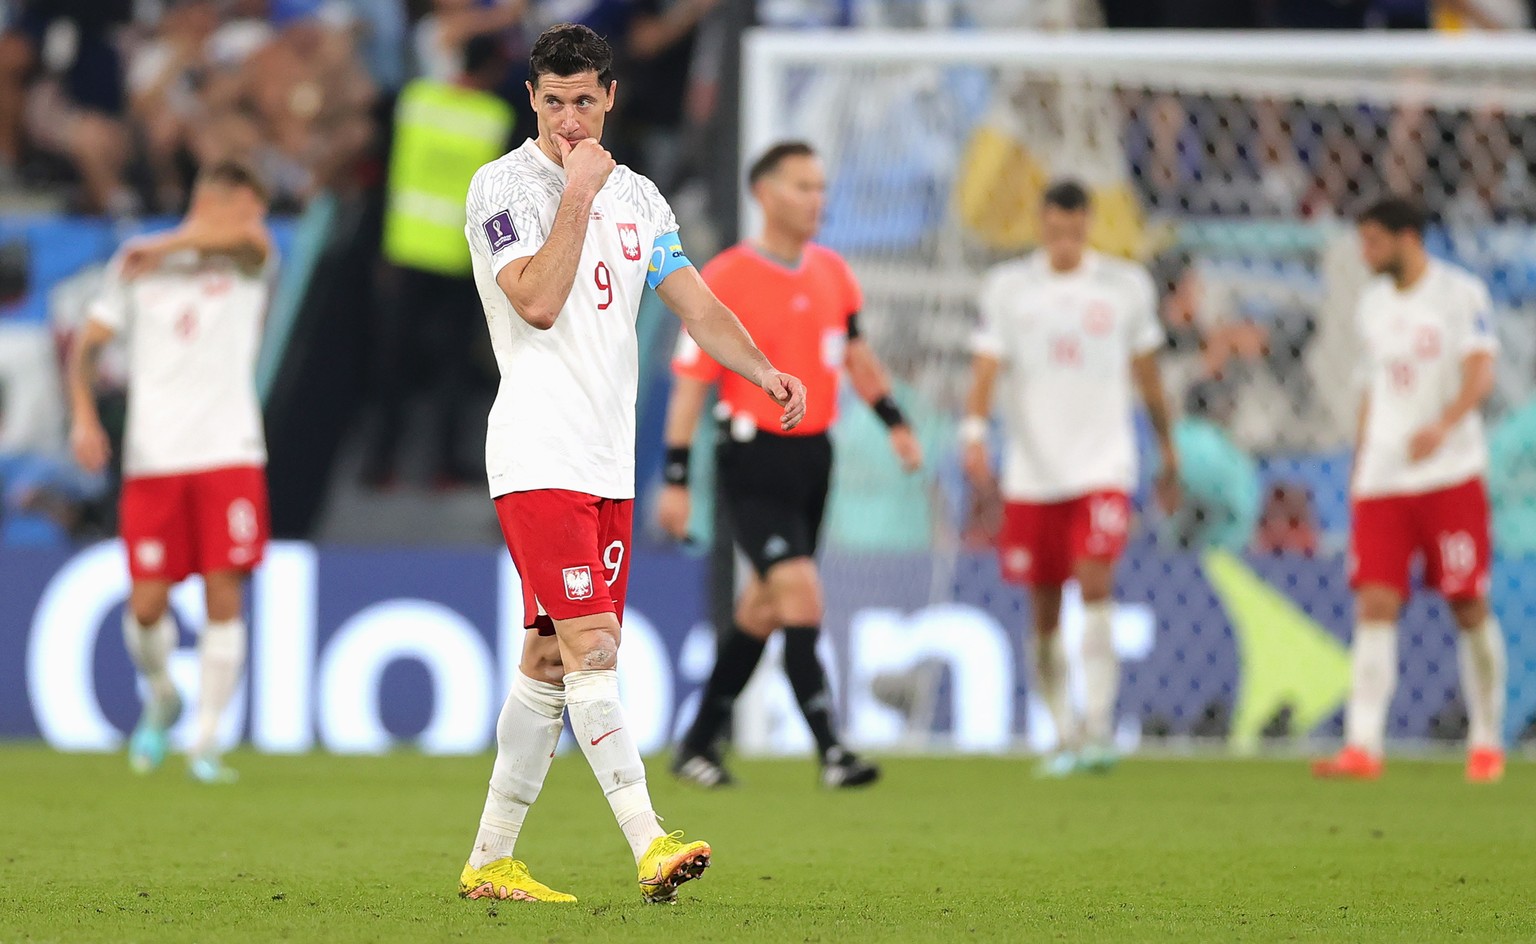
<point>1070,335</point>
<point>1418,483</point>
<point>194,500</point>
<point>564,244</point>
<point>801,302</point>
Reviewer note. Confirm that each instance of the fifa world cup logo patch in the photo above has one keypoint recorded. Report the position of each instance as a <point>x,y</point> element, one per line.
<point>578,583</point>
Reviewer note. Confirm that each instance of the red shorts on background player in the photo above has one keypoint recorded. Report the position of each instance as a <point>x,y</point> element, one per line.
<point>1418,485</point>
<point>1069,337</point>
<point>194,501</point>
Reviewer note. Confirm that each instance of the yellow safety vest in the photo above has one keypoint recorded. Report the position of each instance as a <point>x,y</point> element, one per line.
<point>443,134</point>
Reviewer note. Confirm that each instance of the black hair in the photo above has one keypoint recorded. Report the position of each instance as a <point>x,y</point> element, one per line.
<point>567,49</point>
<point>1396,215</point>
<point>775,156</point>
<point>1068,194</point>
<point>235,173</point>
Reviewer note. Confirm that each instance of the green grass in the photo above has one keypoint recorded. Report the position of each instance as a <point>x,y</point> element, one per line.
<point>344,849</point>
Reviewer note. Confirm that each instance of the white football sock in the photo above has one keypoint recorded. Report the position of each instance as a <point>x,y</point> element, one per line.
<point>1481,653</point>
<point>150,648</point>
<point>1374,658</point>
<point>221,658</point>
<point>527,732</point>
<point>1049,674</point>
<point>597,719</point>
<point>1101,672</point>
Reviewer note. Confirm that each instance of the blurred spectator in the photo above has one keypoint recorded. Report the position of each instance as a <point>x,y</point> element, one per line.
<point>1219,479</point>
<point>440,36</point>
<point>1253,334</point>
<point>382,40</point>
<point>1287,524</point>
<point>73,107</point>
<point>660,52</point>
<point>444,131</point>
<point>608,18</point>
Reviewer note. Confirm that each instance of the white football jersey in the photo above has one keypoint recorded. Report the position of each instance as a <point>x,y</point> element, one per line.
<point>1065,342</point>
<point>1414,344</point>
<point>564,415</point>
<point>193,332</point>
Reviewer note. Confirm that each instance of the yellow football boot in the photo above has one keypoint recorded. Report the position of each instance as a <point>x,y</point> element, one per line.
<point>668,863</point>
<point>506,879</point>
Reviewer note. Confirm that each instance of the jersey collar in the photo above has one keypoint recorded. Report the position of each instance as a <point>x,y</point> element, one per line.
<point>538,156</point>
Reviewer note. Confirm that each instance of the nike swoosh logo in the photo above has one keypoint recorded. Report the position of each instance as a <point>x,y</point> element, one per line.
<point>601,737</point>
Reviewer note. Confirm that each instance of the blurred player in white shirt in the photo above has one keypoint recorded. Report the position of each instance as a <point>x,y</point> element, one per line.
<point>1070,337</point>
<point>564,243</point>
<point>190,303</point>
<point>1418,483</point>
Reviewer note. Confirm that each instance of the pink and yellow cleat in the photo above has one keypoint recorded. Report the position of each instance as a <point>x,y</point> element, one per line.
<point>507,880</point>
<point>1352,763</point>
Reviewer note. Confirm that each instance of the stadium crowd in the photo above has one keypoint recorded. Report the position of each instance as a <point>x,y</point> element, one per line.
<point>109,106</point>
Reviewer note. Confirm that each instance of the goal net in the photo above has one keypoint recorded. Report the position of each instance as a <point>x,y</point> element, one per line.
<point>1231,166</point>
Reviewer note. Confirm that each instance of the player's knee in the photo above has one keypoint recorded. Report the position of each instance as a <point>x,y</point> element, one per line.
<point>796,589</point>
<point>148,605</point>
<point>1470,614</point>
<point>600,651</point>
<point>1378,604</point>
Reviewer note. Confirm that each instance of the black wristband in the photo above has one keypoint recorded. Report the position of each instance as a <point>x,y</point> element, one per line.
<point>674,470</point>
<point>890,414</point>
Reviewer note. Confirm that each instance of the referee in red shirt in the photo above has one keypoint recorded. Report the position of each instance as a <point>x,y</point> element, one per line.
<point>801,303</point>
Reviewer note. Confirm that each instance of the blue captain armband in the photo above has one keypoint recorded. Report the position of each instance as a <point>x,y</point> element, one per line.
<point>667,257</point>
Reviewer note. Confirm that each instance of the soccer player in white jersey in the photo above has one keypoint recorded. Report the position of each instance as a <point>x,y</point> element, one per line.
<point>1068,335</point>
<point>1418,484</point>
<point>190,303</point>
<point>564,243</point>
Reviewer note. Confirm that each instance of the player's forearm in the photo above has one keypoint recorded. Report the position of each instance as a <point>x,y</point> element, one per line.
<point>683,412</point>
<point>719,333</point>
<point>1476,385</point>
<point>82,382</point>
<point>544,285</point>
<point>1149,383</point>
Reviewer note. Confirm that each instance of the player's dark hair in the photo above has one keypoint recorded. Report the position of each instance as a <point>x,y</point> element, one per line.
<point>567,49</point>
<point>775,156</point>
<point>1396,215</point>
<point>234,173</point>
<point>1067,195</point>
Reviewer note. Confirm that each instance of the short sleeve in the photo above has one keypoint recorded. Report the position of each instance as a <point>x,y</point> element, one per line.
<point>1147,334</point>
<point>502,217</point>
<point>689,360</point>
<point>657,207</point>
<point>1476,327</point>
<point>991,304</point>
<point>852,290</point>
<point>110,305</point>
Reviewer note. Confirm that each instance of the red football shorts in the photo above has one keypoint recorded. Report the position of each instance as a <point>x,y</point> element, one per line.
<point>194,523</point>
<point>1041,543</point>
<point>570,550</point>
<point>1449,526</point>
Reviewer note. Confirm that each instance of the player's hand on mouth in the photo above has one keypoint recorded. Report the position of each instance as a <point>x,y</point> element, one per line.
<point>787,391</point>
<point>587,163</point>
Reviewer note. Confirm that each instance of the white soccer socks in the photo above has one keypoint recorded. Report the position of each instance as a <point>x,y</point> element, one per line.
<point>597,719</point>
<point>1051,676</point>
<point>527,733</point>
<point>221,657</point>
<point>1481,654</point>
<point>1101,672</point>
<point>1374,658</point>
<point>150,648</point>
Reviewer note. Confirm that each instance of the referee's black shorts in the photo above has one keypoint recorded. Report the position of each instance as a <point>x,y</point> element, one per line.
<point>775,493</point>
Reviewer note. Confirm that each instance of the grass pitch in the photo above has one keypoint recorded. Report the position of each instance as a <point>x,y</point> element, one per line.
<point>369,849</point>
